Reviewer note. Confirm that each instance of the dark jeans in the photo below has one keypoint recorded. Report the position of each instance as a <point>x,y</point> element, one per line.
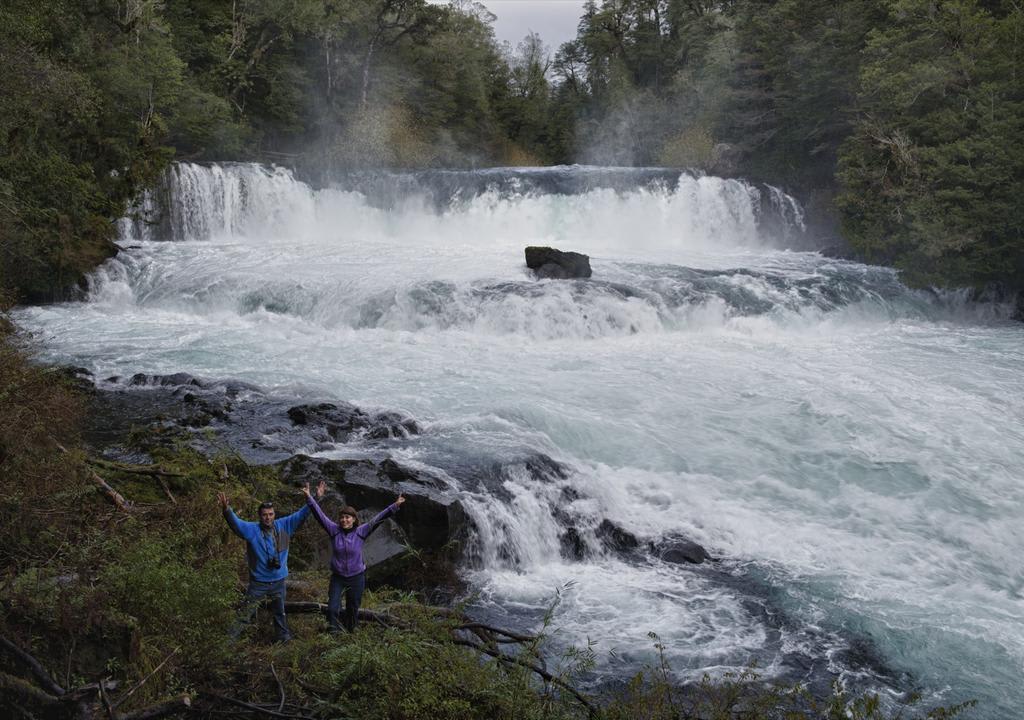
<point>352,588</point>
<point>258,593</point>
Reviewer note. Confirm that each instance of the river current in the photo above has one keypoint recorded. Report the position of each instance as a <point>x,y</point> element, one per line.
<point>849,449</point>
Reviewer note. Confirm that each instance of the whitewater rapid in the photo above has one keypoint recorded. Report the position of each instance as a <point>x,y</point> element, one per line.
<point>849,448</point>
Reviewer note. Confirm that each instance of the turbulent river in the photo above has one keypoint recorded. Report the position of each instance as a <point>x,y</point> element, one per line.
<point>849,449</point>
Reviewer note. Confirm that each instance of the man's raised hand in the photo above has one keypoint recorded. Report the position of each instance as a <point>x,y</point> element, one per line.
<point>222,500</point>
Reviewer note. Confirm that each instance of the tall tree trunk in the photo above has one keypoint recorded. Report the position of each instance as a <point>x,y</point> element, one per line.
<point>366,71</point>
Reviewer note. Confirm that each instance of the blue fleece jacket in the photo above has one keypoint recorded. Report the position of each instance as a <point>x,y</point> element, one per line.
<point>261,545</point>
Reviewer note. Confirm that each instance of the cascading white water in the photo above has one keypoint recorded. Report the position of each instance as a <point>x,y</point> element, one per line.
<point>847,446</point>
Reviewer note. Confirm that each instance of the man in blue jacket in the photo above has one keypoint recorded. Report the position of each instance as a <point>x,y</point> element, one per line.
<point>267,551</point>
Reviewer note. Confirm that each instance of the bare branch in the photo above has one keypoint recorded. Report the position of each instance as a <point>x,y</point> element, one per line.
<point>143,680</point>
<point>254,708</point>
<point>280,687</point>
<point>501,657</point>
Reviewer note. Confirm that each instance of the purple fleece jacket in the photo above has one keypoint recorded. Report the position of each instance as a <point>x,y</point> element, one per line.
<point>347,547</point>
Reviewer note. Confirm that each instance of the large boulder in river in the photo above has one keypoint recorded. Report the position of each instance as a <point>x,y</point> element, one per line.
<point>431,518</point>
<point>340,420</point>
<point>548,262</point>
<point>677,549</point>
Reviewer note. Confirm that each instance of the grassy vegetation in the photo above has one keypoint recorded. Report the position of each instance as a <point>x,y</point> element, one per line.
<point>143,596</point>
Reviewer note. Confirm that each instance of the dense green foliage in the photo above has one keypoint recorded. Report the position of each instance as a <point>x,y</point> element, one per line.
<point>910,111</point>
<point>97,96</point>
<point>932,175</point>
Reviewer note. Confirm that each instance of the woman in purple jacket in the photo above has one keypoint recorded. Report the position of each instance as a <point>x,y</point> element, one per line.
<point>348,571</point>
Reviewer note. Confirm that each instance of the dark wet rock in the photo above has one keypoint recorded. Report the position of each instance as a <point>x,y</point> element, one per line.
<point>838,250</point>
<point>615,538</point>
<point>548,262</point>
<point>391,425</point>
<point>79,378</point>
<point>542,466</point>
<point>430,519</point>
<point>322,414</point>
<point>400,473</point>
<point>173,380</point>
<point>573,546</point>
<point>235,414</point>
<point>387,556</point>
<point>341,420</point>
<point>569,494</point>
<point>234,388</point>
<point>679,550</point>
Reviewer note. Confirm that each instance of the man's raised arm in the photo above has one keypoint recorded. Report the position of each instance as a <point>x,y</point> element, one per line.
<point>237,525</point>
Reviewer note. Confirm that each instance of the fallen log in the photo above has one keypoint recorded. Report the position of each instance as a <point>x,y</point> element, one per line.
<point>42,677</point>
<point>113,495</point>
<point>133,469</point>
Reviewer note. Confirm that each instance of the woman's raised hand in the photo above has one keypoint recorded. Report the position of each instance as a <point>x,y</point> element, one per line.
<point>321,489</point>
<point>305,489</point>
<point>400,500</point>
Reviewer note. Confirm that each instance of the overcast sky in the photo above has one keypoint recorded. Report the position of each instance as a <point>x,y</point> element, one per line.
<point>554,20</point>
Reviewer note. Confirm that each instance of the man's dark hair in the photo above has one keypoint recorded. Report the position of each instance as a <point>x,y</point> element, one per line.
<point>265,506</point>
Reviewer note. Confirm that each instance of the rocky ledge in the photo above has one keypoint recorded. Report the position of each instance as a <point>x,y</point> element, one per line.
<point>227,415</point>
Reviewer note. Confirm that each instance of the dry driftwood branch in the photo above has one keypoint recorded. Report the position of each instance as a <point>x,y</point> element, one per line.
<point>280,687</point>
<point>167,490</point>
<point>43,677</point>
<point>491,630</point>
<point>113,495</point>
<point>106,701</point>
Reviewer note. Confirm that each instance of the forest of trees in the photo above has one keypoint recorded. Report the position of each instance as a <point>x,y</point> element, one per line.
<point>898,121</point>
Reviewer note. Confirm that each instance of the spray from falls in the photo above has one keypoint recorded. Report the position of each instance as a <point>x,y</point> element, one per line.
<point>443,251</point>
